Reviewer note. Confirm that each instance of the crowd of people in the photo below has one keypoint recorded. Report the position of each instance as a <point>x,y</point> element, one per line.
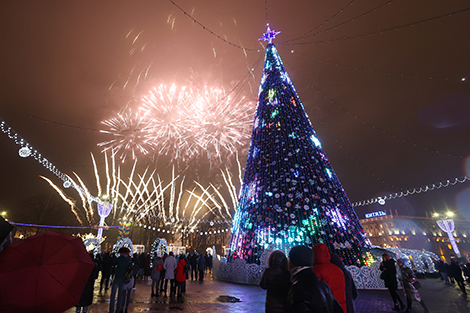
<point>307,280</point>
<point>120,271</point>
<point>454,273</point>
<point>310,280</point>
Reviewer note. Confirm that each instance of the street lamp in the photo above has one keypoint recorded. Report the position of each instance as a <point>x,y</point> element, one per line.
<point>446,223</point>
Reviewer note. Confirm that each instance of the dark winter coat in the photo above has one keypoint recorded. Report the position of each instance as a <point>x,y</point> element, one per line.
<point>329,273</point>
<point>86,299</point>
<point>351,290</point>
<point>276,280</point>
<point>201,263</point>
<point>308,294</point>
<point>390,276</point>
<point>455,271</point>
<point>106,265</point>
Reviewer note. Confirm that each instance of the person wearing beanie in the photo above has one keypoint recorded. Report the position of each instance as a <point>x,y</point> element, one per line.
<point>351,290</point>
<point>329,273</point>
<point>122,263</point>
<point>308,293</point>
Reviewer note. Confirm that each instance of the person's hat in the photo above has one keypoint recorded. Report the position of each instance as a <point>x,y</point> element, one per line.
<point>301,256</point>
<point>123,250</point>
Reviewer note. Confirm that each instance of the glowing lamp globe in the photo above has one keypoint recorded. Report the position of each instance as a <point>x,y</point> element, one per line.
<point>104,209</point>
<point>24,152</point>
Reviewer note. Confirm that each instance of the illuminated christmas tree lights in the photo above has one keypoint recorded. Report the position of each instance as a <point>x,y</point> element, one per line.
<point>290,193</point>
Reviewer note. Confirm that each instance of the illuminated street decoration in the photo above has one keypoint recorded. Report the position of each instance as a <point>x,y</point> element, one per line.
<point>103,211</point>
<point>447,225</point>
<point>290,193</point>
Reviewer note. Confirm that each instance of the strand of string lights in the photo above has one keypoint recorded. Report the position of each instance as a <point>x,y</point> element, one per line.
<point>342,147</point>
<point>266,9</point>
<point>377,32</point>
<point>232,91</point>
<point>381,200</point>
<point>386,73</point>
<point>172,232</point>
<point>345,151</point>
<point>218,231</point>
<point>211,32</point>
<point>27,150</point>
<point>362,121</point>
<point>55,226</point>
<point>311,34</point>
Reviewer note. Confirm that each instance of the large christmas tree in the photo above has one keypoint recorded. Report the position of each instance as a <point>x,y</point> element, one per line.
<point>290,193</point>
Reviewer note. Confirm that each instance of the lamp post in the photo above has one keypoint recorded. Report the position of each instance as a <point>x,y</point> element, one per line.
<point>446,223</point>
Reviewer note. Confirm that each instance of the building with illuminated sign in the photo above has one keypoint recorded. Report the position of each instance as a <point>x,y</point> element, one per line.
<point>414,232</point>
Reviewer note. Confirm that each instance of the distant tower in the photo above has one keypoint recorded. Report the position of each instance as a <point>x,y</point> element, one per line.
<point>290,193</point>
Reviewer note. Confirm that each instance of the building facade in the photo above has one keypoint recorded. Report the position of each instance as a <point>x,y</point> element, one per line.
<point>420,233</point>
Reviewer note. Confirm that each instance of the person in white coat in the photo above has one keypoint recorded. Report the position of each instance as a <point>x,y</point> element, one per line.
<point>170,266</point>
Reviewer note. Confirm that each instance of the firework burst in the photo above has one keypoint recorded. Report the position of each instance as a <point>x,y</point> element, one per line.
<point>130,131</point>
<point>224,124</point>
<point>172,120</point>
<point>182,123</point>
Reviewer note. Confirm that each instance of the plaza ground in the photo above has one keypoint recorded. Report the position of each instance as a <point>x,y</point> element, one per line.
<point>208,296</point>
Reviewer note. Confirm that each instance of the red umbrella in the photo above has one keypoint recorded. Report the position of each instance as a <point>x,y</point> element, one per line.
<point>43,273</point>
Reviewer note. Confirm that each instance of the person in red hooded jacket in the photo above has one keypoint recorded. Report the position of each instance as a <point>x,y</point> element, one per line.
<point>180,275</point>
<point>329,273</point>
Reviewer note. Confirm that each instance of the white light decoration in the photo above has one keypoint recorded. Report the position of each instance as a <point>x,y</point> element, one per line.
<point>447,225</point>
<point>409,192</point>
<point>24,152</point>
<point>103,210</point>
<point>67,184</point>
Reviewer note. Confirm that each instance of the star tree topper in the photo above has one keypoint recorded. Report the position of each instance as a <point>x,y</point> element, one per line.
<point>269,35</point>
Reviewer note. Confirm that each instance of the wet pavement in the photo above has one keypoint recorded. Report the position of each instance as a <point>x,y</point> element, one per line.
<point>218,296</point>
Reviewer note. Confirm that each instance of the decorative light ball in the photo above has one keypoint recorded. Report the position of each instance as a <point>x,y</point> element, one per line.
<point>24,152</point>
<point>67,184</point>
<point>381,201</point>
<point>172,219</point>
<point>211,223</point>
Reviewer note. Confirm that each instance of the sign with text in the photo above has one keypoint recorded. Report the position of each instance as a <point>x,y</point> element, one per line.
<point>375,214</point>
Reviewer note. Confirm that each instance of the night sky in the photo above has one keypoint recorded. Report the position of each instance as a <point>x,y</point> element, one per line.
<point>382,82</point>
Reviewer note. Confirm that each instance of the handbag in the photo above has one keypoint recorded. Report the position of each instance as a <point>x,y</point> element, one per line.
<point>382,275</point>
<point>416,284</point>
